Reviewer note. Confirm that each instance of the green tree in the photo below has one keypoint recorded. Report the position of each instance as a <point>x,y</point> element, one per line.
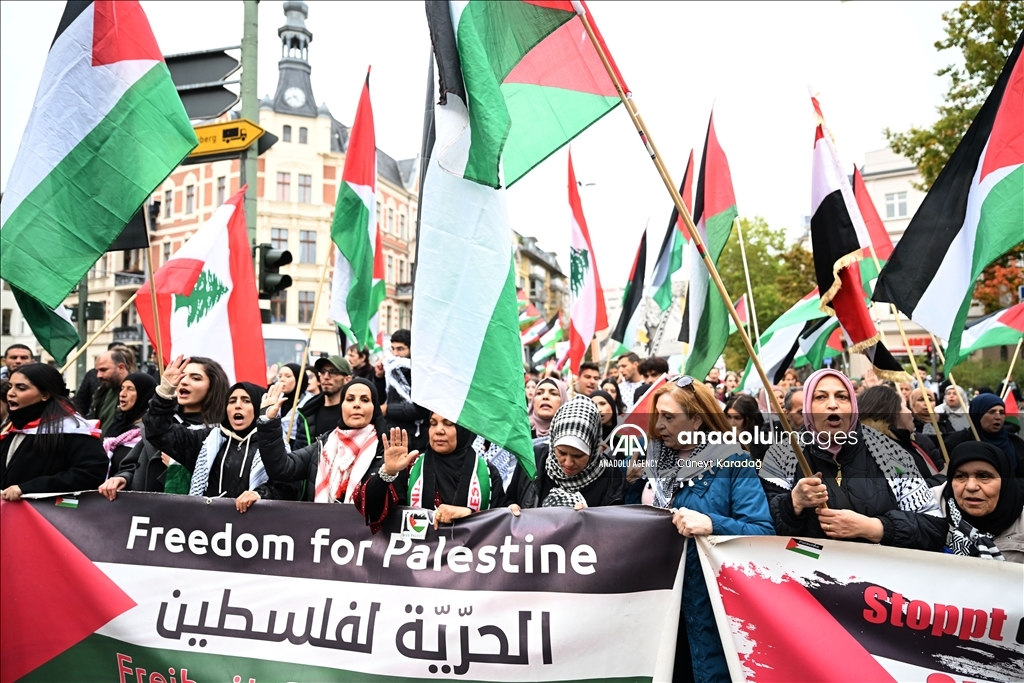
<point>984,33</point>
<point>780,275</point>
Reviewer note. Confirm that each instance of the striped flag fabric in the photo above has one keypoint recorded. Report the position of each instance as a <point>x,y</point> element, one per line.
<point>52,327</point>
<point>468,355</point>
<point>970,217</point>
<point>670,256</point>
<point>877,233</point>
<point>524,81</point>
<point>357,288</point>
<point>208,302</point>
<point>1004,327</point>
<point>706,318</point>
<point>550,342</point>
<point>823,340</point>
<point>779,343</point>
<point>741,309</point>
<point>588,313</point>
<point>534,333</point>
<point>631,315</point>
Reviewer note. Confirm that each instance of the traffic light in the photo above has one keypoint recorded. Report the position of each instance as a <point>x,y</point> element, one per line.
<point>270,279</point>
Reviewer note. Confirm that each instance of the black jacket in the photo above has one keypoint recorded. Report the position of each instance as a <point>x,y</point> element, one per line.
<point>286,467</point>
<point>864,489</point>
<point>86,390</point>
<point>142,468</point>
<point>966,435</point>
<point>80,465</point>
<point>608,489</point>
<point>310,411</point>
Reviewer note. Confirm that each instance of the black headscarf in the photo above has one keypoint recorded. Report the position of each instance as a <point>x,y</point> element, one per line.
<point>981,404</point>
<point>145,387</point>
<point>1011,492</point>
<point>301,389</point>
<point>606,429</point>
<point>377,419</point>
<point>449,475</point>
<point>255,392</point>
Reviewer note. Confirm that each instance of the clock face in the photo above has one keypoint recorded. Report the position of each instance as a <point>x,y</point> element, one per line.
<point>294,97</point>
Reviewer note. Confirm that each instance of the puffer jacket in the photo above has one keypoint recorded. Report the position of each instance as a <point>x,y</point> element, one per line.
<point>734,500</point>
<point>855,481</point>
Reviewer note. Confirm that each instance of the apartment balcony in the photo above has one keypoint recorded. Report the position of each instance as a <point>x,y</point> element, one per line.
<point>403,291</point>
<point>132,334</point>
<point>128,281</point>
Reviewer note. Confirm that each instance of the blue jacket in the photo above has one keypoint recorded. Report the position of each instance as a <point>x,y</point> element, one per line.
<point>734,500</point>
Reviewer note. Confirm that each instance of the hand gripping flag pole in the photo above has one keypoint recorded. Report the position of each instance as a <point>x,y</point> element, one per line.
<point>634,116</point>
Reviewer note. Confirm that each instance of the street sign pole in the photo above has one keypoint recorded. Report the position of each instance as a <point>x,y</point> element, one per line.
<point>250,110</point>
<point>82,365</point>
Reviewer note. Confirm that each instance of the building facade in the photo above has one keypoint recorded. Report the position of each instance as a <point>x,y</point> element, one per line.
<point>538,274</point>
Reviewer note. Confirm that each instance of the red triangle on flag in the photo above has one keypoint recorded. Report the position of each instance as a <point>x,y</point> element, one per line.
<point>53,595</point>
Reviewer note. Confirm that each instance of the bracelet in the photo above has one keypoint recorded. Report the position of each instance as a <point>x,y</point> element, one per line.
<point>385,477</point>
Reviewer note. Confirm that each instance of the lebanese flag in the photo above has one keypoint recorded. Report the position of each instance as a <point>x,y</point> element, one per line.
<point>971,216</point>
<point>588,313</point>
<point>207,298</point>
<point>1002,328</point>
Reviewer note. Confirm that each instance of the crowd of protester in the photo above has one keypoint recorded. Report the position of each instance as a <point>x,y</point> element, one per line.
<point>347,431</point>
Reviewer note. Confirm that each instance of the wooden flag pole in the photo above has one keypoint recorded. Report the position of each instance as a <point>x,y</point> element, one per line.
<point>103,328</point>
<point>634,116</point>
<point>152,294</point>
<point>1009,372</point>
<point>952,380</point>
<point>309,341</point>
<point>750,290</point>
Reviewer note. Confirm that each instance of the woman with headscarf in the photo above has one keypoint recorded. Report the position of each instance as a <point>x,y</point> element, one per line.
<point>45,446</point>
<point>983,501</point>
<point>707,499</point>
<point>331,467</point>
<point>882,408</point>
<point>201,396</point>
<point>922,418</point>
<point>224,460</point>
<point>988,412</point>
<point>571,472</point>
<point>872,486</point>
<point>450,478</point>
<point>547,399</point>
<point>125,430</point>
<point>294,421</point>
<point>953,411</point>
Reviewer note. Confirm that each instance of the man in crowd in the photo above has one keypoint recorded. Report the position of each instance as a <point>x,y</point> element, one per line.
<point>714,377</point>
<point>399,410</point>
<point>630,378</point>
<point>655,367</point>
<point>90,384</point>
<point>323,411</point>
<point>111,370</point>
<point>793,404</point>
<point>589,378</point>
<point>15,356</point>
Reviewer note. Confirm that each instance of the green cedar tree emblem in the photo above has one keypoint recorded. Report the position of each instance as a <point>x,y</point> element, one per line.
<point>579,263</point>
<point>205,295</point>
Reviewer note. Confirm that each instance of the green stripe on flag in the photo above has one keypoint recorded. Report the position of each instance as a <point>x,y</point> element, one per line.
<point>55,334</point>
<point>663,297</point>
<point>713,327</point>
<point>350,232</point>
<point>101,183</point>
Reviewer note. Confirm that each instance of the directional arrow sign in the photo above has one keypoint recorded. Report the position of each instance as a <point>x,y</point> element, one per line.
<point>200,79</point>
<point>229,136</point>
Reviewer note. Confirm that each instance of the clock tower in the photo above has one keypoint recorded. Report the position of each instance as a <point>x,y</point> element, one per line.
<point>294,92</point>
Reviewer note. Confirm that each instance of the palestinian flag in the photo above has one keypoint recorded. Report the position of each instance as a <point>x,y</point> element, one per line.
<point>208,302</point>
<point>106,128</point>
<point>588,314</point>
<point>1012,411</point>
<point>357,288</point>
<point>779,343</point>
<point>468,353</point>
<point>706,317</point>
<point>534,334</point>
<point>823,340</point>
<point>970,217</point>
<point>670,256</point>
<point>518,81</point>
<point>1002,328</point>
<point>632,311</point>
<point>877,233</point>
<point>549,342</point>
<point>838,236</point>
<point>741,310</point>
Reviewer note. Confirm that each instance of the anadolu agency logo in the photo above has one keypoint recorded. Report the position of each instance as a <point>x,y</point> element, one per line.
<point>627,443</point>
<point>414,524</point>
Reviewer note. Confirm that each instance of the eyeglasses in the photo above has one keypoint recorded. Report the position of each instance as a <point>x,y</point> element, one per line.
<point>332,372</point>
<point>683,382</point>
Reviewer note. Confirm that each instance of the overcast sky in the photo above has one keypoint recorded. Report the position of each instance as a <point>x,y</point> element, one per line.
<point>873,64</point>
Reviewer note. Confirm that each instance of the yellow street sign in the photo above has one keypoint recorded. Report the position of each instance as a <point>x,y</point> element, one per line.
<point>228,136</point>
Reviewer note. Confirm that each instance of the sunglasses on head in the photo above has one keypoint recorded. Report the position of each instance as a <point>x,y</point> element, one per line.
<point>683,382</point>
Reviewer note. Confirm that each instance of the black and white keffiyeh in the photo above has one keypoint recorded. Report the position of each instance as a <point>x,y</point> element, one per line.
<point>964,539</point>
<point>576,424</point>
<point>567,491</point>
<point>208,453</point>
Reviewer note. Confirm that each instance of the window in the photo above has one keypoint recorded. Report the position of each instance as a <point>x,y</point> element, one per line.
<point>387,318</point>
<point>391,219</point>
<point>279,307</point>
<point>896,205</point>
<point>380,216</point>
<point>5,327</point>
<point>305,188</point>
<point>401,316</point>
<point>278,238</point>
<point>401,226</point>
<point>284,187</point>
<point>190,198</point>
<point>167,252</point>
<point>168,203</point>
<point>390,275</point>
<point>286,134</point>
<point>222,186</point>
<point>401,271</point>
<point>303,136</point>
<point>307,246</point>
<point>306,307</point>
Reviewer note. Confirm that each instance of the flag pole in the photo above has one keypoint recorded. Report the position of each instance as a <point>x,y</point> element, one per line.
<point>677,199</point>
<point>949,374</point>
<point>1009,372</point>
<point>309,342</point>
<point>152,293</point>
<point>750,290</point>
<point>103,328</point>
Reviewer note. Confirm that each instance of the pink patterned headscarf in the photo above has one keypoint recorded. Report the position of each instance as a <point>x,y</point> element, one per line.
<point>811,384</point>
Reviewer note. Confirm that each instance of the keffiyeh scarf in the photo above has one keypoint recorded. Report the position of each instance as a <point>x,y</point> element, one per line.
<point>567,491</point>
<point>345,458</point>
<point>208,453</point>
<point>964,539</point>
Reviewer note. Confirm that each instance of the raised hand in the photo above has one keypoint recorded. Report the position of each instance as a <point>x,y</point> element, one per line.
<point>273,400</point>
<point>271,373</point>
<point>175,370</point>
<point>396,452</point>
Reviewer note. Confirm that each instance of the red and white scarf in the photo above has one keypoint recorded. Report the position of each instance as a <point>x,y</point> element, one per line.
<point>71,424</point>
<point>345,458</point>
